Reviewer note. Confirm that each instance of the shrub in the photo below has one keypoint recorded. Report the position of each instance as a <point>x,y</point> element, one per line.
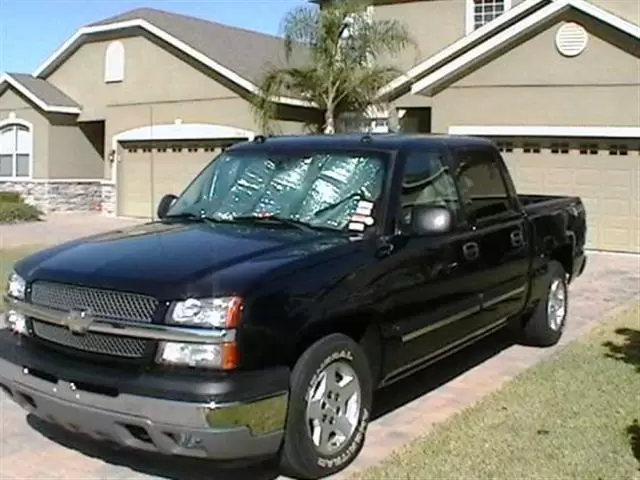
<point>10,197</point>
<point>13,212</point>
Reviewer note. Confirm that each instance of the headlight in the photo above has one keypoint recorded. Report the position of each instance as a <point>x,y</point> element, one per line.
<point>16,286</point>
<point>223,312</point>
<point>223,356</point>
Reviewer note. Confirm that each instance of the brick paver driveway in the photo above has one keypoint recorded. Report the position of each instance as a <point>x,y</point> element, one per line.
<point>31,449</point>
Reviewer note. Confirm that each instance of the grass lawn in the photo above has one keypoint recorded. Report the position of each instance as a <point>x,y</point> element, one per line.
<point>574,416</point>
<point>8,257</point>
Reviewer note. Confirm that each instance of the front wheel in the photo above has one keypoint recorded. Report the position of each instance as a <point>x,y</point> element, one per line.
<point>329,408</point>
<point>546,325</point>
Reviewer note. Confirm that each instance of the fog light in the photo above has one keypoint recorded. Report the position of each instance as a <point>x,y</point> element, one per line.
<point>17,322</point>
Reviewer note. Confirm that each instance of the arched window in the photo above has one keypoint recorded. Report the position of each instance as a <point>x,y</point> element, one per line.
<point>114,62</point>
<point>16,150</point>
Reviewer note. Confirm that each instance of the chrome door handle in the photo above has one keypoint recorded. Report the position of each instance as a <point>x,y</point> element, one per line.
<point>517,240</point>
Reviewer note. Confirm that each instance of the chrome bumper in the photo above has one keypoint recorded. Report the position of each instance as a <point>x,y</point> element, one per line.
<point>217,431</point>
<point>151,331</point>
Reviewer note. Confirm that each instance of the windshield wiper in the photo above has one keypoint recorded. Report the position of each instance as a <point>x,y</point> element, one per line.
<point>194,217</point>
<point>277,220</point>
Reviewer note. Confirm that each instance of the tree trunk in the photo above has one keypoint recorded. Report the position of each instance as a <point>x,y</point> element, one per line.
<point>329,122</point>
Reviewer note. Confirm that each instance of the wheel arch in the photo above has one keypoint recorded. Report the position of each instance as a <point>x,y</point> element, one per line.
<point>363,328</point>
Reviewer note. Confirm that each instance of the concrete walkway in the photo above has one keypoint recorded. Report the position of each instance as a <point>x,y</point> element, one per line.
<point>58,228</point>
<point>32,449</point>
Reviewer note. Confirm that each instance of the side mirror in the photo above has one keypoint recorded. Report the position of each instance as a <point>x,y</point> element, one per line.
<point>431,220</point>
<point>165,204</point>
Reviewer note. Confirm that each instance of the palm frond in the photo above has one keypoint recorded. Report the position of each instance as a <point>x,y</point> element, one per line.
<point>343,49</point>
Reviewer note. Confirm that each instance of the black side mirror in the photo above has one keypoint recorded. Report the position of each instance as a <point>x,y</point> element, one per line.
<point>431,220</point>
<point>165,204</point>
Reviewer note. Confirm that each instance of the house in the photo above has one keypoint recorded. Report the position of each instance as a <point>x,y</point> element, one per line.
<point>132,107</point>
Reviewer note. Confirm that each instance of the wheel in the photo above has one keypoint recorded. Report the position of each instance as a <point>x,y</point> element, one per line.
<point>329,409</point>
<point>546,325</point>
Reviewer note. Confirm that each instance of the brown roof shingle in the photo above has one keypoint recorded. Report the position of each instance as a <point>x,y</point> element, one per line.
<point>245,52</point>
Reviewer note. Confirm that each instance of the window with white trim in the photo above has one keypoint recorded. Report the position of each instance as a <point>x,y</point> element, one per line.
<point>481,12</point>
<point>16,149</point>
<point>114,62</point>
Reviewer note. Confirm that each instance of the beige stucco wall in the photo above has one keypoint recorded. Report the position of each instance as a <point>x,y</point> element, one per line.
<point>532,84</point>
<point>159,87</point>
<point>152,74</point>
<point>10,101</point>
<point>233,112</point>
<point>71,153</point>
<point>627,9</point>
<point>433,24</point>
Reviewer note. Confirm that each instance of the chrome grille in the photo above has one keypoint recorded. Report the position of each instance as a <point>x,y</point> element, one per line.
<point>91,342</point>
<point>102,303</point>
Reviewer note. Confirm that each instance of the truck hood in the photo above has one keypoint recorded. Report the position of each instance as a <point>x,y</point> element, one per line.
<point>162,259</point>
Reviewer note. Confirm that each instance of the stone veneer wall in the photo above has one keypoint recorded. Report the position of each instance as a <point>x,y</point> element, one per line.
<point>65,195</point>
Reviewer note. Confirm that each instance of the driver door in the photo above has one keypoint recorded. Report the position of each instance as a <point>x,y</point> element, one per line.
<point>431,304</point>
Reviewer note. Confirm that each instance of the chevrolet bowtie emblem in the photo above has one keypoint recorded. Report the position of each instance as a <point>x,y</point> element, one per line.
<point>78,321</point>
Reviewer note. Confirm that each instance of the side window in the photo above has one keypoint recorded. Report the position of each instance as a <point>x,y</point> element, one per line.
<point>427,180</point>
<point>482,187</point>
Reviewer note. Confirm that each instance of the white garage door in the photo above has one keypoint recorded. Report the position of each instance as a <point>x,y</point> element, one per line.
<point>605,174</point>
<point>148,171</point>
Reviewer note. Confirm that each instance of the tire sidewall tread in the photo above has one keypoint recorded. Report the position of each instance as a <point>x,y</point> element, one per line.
<point>299,458</point>
<point>537,331</point>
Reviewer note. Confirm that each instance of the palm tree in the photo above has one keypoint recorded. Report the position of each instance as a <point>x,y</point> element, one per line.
<point>333,60</point>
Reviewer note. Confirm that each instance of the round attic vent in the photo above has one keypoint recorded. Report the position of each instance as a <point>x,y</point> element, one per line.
<point>571,39</point>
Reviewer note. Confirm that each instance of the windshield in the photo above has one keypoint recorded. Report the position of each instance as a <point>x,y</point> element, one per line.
<point>327,190</point>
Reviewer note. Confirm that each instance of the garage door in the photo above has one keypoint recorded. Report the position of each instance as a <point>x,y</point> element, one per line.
<point>604,174</point>
<point>148,171</point>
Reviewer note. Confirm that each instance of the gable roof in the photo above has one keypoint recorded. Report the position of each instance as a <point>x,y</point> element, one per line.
<point>237,54</point>
<point>551,10</point>
<point>46,96</point>
<point>477,36</point>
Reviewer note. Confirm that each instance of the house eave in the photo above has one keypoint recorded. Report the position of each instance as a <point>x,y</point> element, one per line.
<point>430,82</point>
<point>40,103</point>
<point>79,36</point>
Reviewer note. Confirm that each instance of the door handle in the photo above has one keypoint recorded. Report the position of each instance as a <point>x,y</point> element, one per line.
<point>517,240</point>
<point>471,250</point>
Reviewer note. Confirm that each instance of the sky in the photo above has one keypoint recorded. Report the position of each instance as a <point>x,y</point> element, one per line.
<point>31,30</point>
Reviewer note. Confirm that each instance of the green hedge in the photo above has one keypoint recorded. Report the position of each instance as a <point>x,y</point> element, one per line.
<point>14,212</point>
<point>10,197</point>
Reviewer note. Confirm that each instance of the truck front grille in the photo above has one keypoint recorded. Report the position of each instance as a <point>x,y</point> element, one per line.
<point>101,303</point>
<point>91,342</point>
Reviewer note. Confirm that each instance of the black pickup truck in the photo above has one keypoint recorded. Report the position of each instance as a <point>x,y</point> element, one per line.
<point>290,280</point>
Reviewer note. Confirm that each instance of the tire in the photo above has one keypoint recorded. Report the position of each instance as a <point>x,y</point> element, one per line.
<point>544,329</point>
<point>300,457</point>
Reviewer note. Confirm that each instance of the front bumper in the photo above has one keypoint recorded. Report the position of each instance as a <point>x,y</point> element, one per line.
<point>235,416</point>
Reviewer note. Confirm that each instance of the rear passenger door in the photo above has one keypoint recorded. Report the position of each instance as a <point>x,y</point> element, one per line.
<point>498,241</point>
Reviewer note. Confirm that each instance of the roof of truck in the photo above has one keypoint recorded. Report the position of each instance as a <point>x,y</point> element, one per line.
<point>385,141</point>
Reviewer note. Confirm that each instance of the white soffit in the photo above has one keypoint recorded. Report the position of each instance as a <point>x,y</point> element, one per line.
<point>6,78</point>
<point>171,40</point>
<point>517,29</point>
<point>181,131</point>
<point>544,131</point>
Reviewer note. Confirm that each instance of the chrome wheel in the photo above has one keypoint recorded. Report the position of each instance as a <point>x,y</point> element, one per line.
<point>557,304</point>
<point>333,407</point>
